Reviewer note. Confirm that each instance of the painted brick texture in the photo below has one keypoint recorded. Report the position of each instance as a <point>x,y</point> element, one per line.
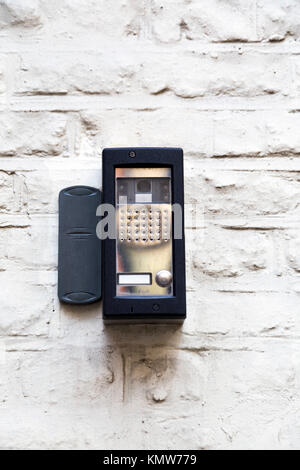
<point>219,78</point>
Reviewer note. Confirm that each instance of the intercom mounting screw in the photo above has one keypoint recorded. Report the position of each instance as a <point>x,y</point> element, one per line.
<point>155,307</point>
<point>132,154</point>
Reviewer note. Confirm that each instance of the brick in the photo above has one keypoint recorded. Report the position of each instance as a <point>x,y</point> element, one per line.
<point>3,373</point>
<point>199,75</point>
<point>243,313</point>
<point>89,142</point>
<point>57,370</point>
<point>228,254</point>
<point>8,200</point>
<point>296,63</point>
<point>83,429</point>
<point>278,20</point>
<point>256,134</point>
<point>70,324</point>
<point>209,20</point>
<point>289,431</point>
<point>18,13</point>
<point>107,19</point>
<point>73,73</point>
<point>251,386</point>
<point>38,134</point>
<point>104,18</point>
<point>28,306</point>
<point>251,194</point>
<point>42,186</point>
<point>293,250</point>
<point>32,247</point>
<point>161,377</point>
<point>152,128</point>
<point>2,74</point>
<point>238,193</point>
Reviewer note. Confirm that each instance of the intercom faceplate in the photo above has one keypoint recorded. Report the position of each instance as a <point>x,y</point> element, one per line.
<point>144,231</point>
<point>144,264</point>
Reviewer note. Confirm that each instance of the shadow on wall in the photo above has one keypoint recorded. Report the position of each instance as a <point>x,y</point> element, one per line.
<point>150,358</point>
<point>143,352</point>
<point>149,381</point>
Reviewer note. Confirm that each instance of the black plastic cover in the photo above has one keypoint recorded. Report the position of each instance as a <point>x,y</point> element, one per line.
<point>79,250</point>
<point>143,308</point>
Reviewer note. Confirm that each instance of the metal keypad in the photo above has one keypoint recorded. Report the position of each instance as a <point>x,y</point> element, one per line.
<point>144,225</point>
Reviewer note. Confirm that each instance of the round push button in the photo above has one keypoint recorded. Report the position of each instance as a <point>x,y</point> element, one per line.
<point>163,278</point>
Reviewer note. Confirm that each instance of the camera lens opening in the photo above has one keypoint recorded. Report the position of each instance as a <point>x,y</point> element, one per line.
<point>143,186</point>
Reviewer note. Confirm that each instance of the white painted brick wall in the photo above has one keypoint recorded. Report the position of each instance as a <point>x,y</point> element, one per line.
<point>219,78</point>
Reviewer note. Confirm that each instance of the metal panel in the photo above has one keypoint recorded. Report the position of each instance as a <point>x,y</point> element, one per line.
<point>144,231</point>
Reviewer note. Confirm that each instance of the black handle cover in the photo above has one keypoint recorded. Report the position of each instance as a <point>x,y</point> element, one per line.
<point>79,250</point>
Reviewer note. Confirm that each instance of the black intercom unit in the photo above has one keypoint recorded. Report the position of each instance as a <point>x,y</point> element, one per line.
<point>144,254</point>
<point>129,243</point>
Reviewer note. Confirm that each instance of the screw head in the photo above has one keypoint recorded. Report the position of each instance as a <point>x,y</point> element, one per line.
<point>132,154</point>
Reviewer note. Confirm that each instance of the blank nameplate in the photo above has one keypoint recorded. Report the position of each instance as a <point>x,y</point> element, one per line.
<point>143,197</point>
<point>134,279</point>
